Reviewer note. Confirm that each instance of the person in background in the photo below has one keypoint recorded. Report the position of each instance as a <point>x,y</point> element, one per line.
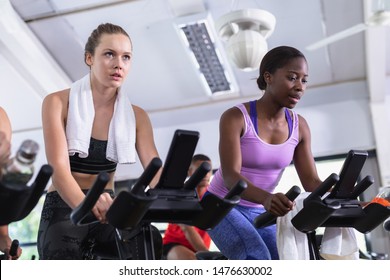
<point>181,242</point>
<point>5,151</point>
<point>258,139</point>
<point>90,128</point>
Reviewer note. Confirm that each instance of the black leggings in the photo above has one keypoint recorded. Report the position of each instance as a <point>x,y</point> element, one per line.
<point>60,239</point>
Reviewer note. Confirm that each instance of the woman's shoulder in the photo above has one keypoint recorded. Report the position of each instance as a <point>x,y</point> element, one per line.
<point>302,120</point>
<point>56,101</point>
<point>237,108</point>
<point>304,129</point>
<point>139,112</point>
<point>231,111</point>
<point>233,114</point>
<point>5,124</point>
<point>140,115</point>
<point>3,114</point>
<point>58,96</point>
<point>137,109</point>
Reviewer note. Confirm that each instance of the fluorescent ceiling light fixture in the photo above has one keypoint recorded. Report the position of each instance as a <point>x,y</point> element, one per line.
<point>206,56</point>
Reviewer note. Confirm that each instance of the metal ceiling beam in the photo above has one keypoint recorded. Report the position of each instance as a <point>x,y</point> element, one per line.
<point>27,55</point>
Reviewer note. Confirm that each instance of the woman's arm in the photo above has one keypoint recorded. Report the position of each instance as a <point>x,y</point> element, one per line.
<point>5,137</point>
<point>144,143</point>
<point>231,127</point>
<point>5,243</point>
<point>5,150</point>
<point>303,158</point>
<point>5,240</point>
<point>54,112</point>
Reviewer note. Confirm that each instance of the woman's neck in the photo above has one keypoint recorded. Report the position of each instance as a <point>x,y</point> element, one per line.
<point>269,108</point>
<point>100,92</point>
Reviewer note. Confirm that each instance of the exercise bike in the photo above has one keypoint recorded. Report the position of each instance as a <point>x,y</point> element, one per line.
<point>335,204</point>
<point>17,201</point>
<point>173,200</point>
<point>330,207</point>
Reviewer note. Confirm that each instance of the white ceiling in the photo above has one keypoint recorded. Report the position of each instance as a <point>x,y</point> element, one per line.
<point>163,78</point>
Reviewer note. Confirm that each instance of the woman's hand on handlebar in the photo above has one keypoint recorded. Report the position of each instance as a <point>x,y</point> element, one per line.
<point>278,204</point>
<point>5,246</point>
<point>101,207</point>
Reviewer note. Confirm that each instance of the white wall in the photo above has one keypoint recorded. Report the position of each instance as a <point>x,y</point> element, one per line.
<point>339,127</point>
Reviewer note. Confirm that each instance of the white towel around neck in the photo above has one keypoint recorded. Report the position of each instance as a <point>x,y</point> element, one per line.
<point>337,243</point>
<point>81,114</point>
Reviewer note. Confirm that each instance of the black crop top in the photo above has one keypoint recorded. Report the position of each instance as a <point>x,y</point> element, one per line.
<point>95,162</point>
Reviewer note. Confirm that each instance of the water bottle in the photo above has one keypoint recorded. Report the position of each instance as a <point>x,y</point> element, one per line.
<point>20,168</point>
<point>383,197</point>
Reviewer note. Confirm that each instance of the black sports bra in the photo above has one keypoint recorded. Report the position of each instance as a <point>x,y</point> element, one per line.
<point>95,162</point>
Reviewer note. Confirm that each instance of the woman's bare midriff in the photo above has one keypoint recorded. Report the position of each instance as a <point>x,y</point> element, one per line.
<point>86,181</point>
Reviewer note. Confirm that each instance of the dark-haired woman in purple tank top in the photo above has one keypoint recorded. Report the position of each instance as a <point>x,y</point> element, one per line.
<point>258,140</point>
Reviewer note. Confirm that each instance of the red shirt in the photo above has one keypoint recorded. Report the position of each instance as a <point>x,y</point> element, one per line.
<point>174,234</point>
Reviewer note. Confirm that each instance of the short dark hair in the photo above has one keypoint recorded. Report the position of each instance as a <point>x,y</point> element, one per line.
<point>94,39</point>
<point>274,59</point>
<point>201,157</point>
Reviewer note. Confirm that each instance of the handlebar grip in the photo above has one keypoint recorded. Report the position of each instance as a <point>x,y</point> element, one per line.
<point>362,186</point>
<point>266,219</point>
<point>238,188</point>
<point>146,176</point>
<point>14,247</point>
<point>83,210</point>
<point>323,187</point>
<point>198,175</point>
<point>44,175</point>
<point>293,193</point>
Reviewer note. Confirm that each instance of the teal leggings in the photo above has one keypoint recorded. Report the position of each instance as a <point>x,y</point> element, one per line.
<point>237,238</point>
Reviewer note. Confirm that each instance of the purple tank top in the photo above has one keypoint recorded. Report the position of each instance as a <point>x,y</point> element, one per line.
<point>262,163</point>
